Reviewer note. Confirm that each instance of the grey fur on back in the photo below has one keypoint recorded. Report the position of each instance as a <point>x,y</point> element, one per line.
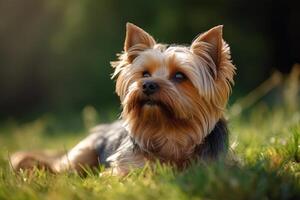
<point>108,138</point>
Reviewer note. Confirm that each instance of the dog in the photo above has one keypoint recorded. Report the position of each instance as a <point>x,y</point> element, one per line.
<point>173,101</point>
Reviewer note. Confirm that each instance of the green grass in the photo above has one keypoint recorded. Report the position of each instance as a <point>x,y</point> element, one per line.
<point>264,164</point>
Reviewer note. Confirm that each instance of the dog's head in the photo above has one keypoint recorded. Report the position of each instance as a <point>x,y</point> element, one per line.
<point>173,95</point>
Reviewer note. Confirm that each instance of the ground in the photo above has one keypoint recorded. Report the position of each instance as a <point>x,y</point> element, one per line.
<point>264,163</point>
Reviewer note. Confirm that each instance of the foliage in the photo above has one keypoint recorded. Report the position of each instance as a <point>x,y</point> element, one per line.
<point>54,55</point>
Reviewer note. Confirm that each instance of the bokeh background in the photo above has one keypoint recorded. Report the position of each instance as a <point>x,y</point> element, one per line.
<point>55,54</point>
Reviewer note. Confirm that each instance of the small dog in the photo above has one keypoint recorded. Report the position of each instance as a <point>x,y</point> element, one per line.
<point>173,100</point>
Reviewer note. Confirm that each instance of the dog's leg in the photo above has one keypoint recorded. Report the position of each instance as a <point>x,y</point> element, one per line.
<point>82,155</point>
<point>30,160</point>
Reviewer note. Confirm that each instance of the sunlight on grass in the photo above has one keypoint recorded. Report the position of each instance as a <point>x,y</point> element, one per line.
<point>264,163</point>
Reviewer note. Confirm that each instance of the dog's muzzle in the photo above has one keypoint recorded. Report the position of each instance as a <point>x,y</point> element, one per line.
<point>150,87</point>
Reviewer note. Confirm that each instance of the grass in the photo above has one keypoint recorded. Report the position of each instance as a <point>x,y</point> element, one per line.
<point>265,144</point>
<point>265,148</point>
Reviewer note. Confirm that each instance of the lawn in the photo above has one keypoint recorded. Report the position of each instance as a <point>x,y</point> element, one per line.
<point>264,162</point>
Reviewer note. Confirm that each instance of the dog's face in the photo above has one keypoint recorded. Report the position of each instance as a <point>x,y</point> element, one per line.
<point>173,93</point>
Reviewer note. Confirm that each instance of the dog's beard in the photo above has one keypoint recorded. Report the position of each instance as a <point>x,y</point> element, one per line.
<point>166,125</point>
<point>157,108</point>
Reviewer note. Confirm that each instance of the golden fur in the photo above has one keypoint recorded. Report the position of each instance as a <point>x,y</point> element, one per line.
<point>188,110</point>
<point>182,113</point>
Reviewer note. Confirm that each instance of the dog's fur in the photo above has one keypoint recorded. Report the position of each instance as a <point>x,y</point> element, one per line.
<point>179,122</point>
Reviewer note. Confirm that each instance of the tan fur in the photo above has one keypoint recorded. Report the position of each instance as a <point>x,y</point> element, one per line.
<point>194,105</point>
<point>186,111</point>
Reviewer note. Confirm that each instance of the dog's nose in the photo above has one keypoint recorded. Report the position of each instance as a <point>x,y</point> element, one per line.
<point>150,87</point>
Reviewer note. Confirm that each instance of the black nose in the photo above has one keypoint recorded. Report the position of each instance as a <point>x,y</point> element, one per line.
<point>150,87</point>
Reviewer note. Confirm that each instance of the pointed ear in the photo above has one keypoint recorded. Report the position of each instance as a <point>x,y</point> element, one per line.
<point>212,42</point>
<point>136,36</point>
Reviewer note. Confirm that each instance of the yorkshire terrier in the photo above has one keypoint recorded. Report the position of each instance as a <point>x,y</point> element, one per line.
<point>173,99</point>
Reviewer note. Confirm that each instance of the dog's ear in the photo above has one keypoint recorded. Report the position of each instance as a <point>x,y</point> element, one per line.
<point>215,52</point>
<point>136,40</point>
<point>211,43</point>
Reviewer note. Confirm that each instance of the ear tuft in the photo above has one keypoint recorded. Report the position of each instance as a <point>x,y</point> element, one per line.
<point>137,36</point>
<point>213,40</point>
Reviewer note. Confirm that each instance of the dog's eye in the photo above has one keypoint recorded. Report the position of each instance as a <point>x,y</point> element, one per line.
<point>146,74</point>
<point>179,76</point>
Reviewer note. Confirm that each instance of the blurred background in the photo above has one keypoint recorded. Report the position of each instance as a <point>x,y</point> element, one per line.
<point>54,55</point>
